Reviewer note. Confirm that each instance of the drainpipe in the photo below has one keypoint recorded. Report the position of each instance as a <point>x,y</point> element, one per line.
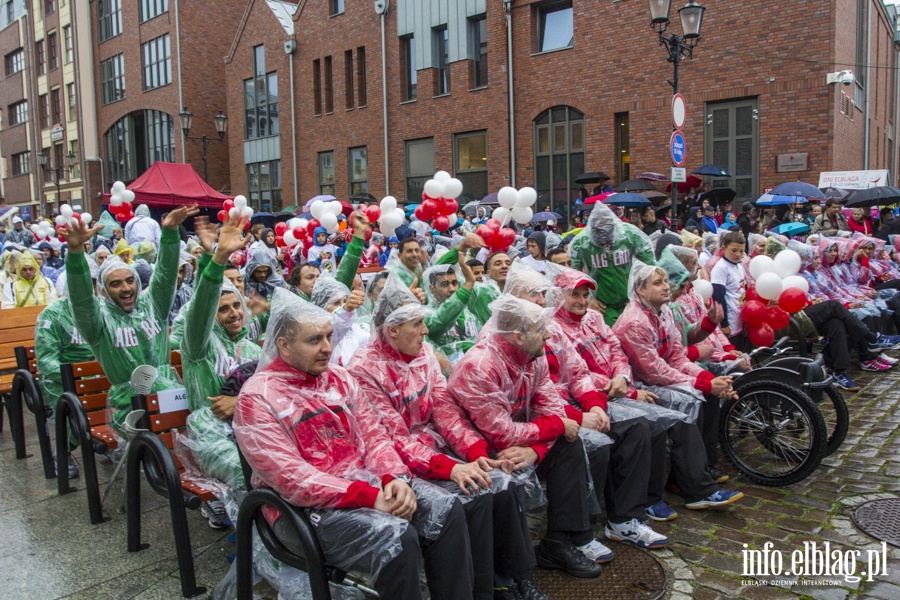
<point>180,86</point>
<point>868,85</point>
<point>384,105</point>
<point>293,126</point>
<point>507,4</point>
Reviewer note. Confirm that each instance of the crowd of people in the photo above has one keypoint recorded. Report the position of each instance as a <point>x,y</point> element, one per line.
<point>416,412</point>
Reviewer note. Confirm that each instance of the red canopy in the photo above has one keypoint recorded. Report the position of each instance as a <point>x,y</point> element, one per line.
<point>166,185</point>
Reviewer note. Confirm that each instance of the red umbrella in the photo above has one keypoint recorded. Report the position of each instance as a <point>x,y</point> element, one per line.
<point>346,208</point>
<point>598,198</point>
<point>686,186</point>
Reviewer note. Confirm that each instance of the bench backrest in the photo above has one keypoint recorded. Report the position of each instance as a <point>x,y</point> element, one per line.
<point>16,329</point>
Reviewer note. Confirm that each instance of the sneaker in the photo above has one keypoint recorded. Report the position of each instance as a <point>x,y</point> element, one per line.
<point>843,381</point>
<point>507,593</point>
<point>873,365</point>
<point>887,359</point>
<point>884,363</point>
<point>552,554</point>
<point>717,475</point>
<point>637,533</point>
<point>720,498</point>
<point>72,466</point>
<point>885,342</point>
<point>597,552</point>
<point>661,512</point>
<point>528,590</point>
<point>214,511</point>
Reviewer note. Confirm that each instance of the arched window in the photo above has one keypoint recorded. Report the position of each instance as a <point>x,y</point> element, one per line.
<point>558,158</point>
<point>136,141</point>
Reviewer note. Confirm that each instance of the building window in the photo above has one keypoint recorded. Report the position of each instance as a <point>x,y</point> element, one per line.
<point>329,86</point>
<point>337,7</point>
<point>478,35</point>
<point>153,8</point>
<point>58,158</point>
<point>70,43</point>
<point>264,185</point>
<point>731,140</point>
<point>555,26</point>
<point>623,148</point>
<point>112,79</point>
<point>15,62</point>
<point>10,11</point>
<point>410,75</point>
<point>51,7</point>
<point>119,145</point>
<point>21,163</point>
<point>419,167</point>
<point>317,87</point>
<point>862,18</point>
<point>348,79</point>
<point>470,162</point>
<point>261,99</point>
<point>441,59</point>
<point>17,113</point>
<point>559,157</point>
<point>359,170</point>
<point>157,62</point>
<point>109,16</point>
<point>361,91</point>
<point>73,100</point>
<point>41,59</point>
<point>326,173</point>
<point>55,106</point>
<point>75,148</point>
<point>160,136</point>
<point>52,51</point>
<point>44,103</point>
<point>138,140</point>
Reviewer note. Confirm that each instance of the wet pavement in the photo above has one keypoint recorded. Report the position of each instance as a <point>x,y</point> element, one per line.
<point>48,548</point>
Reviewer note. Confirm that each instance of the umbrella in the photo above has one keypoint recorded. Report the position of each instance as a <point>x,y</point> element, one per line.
<point>685,186</point>
<point>545,216</point>
<point>346,208</point>
<point>362,197</point>
<point>662,207</point>
<point>653,195</point>
<point>771,199</point>
<point>792,229</point>
<point>652,177</point>
<point>322,197</point>
<point>575,231</point>
<point>634,185</point>
<point>797,188</point>
<point>712,171</point>
<point>717,196</point>
<point>627,199</point>
<point>266,218</point>
<point>592,177</point>
<point>833,192</point>
<point>874,196</point>
<point>292,208</point>
<point>598,198</point>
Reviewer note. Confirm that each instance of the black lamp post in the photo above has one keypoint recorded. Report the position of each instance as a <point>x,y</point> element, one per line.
<point>59,170</point>
<point>221,122</point>
<point>678,47</point>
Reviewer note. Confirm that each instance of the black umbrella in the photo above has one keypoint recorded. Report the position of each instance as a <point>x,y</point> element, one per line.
<point>874,196</point>
<point>592,177</point>
<point>360,197</point>
<point>711,170</point>
<point>833,192</point>
<point>797,188</point>
<point>717,196</point>
<point>634,185</point>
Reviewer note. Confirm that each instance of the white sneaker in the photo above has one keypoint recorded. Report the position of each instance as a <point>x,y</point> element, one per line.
<point>637,533</point>
<point>597,552</point>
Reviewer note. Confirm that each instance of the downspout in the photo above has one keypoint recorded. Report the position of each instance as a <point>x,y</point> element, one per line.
<point>293,129</point>
<point>180,85</point>
<point>32,102</point>
<point>384,108</point>
<point>512,116</point>
<point>868,86</point>
<point>892,174</point>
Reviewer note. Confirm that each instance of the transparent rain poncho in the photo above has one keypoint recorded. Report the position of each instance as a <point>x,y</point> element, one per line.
<point>262,258</point>
<point>364,312</point>
<point>526,283</point>
<point>111,264</point>
<point>328,292</point>
<point>753,240</point>
<point>664,240</point>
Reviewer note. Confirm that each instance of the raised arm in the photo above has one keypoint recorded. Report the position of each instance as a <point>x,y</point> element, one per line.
<point>88,318</point>
<point>165,275</point>
<point>346,271</point>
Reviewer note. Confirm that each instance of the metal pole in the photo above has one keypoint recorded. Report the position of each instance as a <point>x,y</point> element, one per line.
<point>203,140</point>
<point>675,57</point>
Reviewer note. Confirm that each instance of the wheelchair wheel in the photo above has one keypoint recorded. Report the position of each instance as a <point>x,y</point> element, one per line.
<point>834,411</point>
<point>774,434</point>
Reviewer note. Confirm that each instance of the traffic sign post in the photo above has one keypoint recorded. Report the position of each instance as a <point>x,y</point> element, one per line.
<point>679,175</point>
<point>679,111</point>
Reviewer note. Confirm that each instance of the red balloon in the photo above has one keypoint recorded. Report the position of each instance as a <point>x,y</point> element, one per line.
<point>494,224</point>
<point>368,234</point>
<point>279,241</point>
<point>447,206</point>
<point>228,205</point>
<point>223,215</point>
<point>486,234</point>
<point>299,233</point>
<point>246,224</point>
<point>505,237</point>
<point>311,226</point>
<point>754,313</point>
<point>280,228</point>
<point>237,259</point>
<point>430,208</point>
<point>373,212</point>
<point>121,217</point>
<point>126,206</point>
<point>61,238</point>
<point>761,335</point>
<point>426,197</point>
<point>792,300</point>
<point>777,318</point>
<point>421,213</point>
<point>752,295</point>
<point>76,216</point>
<point>114,210</point>
<point>441,223</point>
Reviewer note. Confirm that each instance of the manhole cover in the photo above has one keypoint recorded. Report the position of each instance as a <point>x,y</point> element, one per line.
<point>633,575</point>
<point>880,519</point>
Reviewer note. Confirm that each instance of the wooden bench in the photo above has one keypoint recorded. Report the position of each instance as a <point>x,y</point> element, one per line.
<point>25,392</point>
<point>16,329</point>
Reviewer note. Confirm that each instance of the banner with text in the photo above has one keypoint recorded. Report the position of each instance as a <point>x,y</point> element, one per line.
<point>853,180</point>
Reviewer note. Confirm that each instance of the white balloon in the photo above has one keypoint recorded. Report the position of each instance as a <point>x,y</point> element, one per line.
<point>522,215</point>
<point>761,264</point>
<point>434,188</point>
<point>60,220</point>
<point>115,200</point>
<point>47,228</point>
<point>391,220</point>
<point>527,196</point>
<point>127,196</point>
<point>795,281</point>
<point>234,213</point>
<point>240,201</point>
<point>294,223</point>
<point>386,231</point>
<point>246,212</point>
<point>335,207</point>
<point>704,288</point>
<point>86,218</point>
<point>329,222</point>
<point>453,188</point>
<point>66,211</point>
<point>35,228</point>
<point>118,187</point>
<point>289,238</point>
<point>388,203</point>
<point>399,215</point>
<point>507,197</point>
<point>502,214</point>
<point>768,286</point>
<point>787,263</point>
<point>442,176</point>
<point>302,224</point>
<point>318,209</point>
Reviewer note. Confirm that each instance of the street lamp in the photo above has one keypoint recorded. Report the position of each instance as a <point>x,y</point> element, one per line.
<point>678,47</point>
<point>221,122</point>
<point>59,170</point>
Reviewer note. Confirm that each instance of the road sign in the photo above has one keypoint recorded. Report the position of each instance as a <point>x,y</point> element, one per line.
<point>679,175</point>
<point>677,148</point>
<point>679,111</point>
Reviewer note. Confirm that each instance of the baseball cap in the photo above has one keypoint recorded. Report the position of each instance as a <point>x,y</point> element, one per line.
<point>571,279</point>
<point>17,220</point>
<point>746,207</point>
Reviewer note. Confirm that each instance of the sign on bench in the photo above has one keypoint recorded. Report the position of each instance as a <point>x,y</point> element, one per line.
<point>172,400</point>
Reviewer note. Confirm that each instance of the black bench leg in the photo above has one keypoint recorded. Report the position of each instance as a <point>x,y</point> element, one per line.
<point>68,413</point>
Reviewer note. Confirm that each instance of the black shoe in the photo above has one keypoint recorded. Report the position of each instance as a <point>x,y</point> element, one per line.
<point>528,590</point>
<point>718,476</point>
<point>564,556</point>
<point>507,593</point>
<point>72,467</point>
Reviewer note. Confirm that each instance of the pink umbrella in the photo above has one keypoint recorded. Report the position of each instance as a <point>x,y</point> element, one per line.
<point>322,197</point>
<point>652,177</point>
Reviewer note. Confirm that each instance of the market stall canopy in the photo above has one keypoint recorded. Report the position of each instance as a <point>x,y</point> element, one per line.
<point>168,185</point>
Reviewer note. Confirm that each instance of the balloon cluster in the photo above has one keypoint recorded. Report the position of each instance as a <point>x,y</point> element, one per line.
<point>120,201</point>
<point>235,209</point>
<point>775,280</point>
<point>515,204</point>
<point>497,237</point>
<point>439,201</point>
<point>295,231</point>
<point>390,218</point>
<point>325,214</point>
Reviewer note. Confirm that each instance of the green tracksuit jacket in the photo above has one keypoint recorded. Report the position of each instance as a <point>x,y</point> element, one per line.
<point>407,276</point>
<point>57,341</point>
<point>452,328</point>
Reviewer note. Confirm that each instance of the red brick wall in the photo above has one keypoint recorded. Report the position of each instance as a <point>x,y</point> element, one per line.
<point>15,139</point>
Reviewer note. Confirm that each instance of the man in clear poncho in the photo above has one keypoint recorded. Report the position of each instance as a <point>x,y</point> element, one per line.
<point>142,227</point>
<point>350,333</point>
<point>407,262</point>
<point>503,385</point>
<point>307,432</point>
<point>261,274</point>
<point>452,328</point>
<point>124,327</point>
<point>400,376</point>
<point>605,250</point>
<point>29,287</point>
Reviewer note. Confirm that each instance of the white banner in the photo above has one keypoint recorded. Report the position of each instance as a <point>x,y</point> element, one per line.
<point>853,180</point>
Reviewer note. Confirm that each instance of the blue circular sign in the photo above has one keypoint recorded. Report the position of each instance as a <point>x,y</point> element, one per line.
<point>677,148</point>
